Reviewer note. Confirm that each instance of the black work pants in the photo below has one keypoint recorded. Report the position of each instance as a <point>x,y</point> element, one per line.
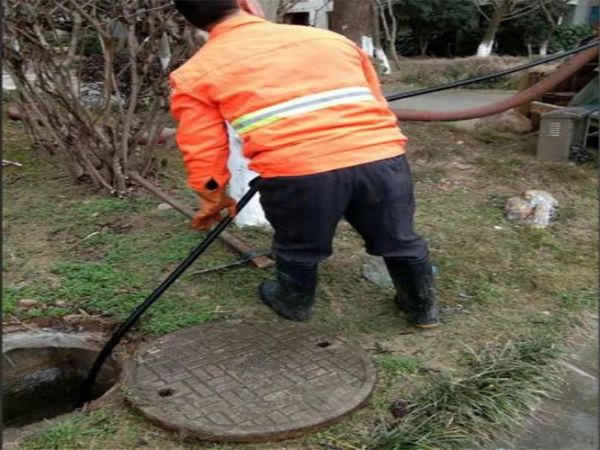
<point>376,199</point>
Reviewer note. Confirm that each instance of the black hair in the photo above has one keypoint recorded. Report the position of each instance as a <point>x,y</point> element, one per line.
<point>205,13</point>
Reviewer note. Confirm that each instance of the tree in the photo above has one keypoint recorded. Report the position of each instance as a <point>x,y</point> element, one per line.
<point>534,31</point>
<point>389,23</point>
<point>498,11</point>
<point>554,12</point>
<point>421,17</point>
<point>358,19</point>
<point>430,19</point>
<point>140,42</point>
<point>570,36</point>
<point>524,34</point>
<point>354,19</point>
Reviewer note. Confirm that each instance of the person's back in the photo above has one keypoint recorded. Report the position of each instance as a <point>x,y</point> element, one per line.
<point>259,73</point>
<point>316,127</point>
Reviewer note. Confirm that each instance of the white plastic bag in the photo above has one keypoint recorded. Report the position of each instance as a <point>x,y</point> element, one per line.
<point>534,208</point>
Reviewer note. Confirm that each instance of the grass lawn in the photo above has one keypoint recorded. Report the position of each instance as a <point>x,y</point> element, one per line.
<point>74,253</point>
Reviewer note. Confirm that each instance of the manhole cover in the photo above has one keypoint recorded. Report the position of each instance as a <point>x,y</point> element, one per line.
<point>246,382</point>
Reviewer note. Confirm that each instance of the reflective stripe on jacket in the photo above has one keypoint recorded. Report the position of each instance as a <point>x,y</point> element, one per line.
<point>303,100</point>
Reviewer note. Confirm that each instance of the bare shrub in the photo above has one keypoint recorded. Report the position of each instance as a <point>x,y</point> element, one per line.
<point>92,78</point>
<point>438,71</point>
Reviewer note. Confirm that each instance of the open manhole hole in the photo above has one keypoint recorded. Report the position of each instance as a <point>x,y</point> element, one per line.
<point>44,373</point>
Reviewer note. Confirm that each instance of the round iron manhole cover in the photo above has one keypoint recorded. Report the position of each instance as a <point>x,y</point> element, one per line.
<point>248,382</point>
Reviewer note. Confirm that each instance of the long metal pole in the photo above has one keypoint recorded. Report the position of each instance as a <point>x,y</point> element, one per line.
<point>158,292</point>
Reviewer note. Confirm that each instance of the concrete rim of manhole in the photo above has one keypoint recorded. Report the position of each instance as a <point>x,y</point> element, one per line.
<point>170,391</point>
<point>43,373</point>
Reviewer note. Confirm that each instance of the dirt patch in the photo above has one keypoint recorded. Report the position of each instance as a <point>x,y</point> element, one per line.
<point>119,227</point>
<point>65,324</point>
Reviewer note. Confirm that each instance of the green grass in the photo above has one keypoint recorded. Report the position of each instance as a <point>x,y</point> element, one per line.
<point>124,276</point>
<point>74,433</point>
<point>105,255</point>
<point>105,264</point>
<point>486,292</point>
<point>501,386</point>
<point>398,365</point>
<point>579,299</point>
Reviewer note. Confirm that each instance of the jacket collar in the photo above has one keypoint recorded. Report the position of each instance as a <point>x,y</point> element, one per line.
<point>234,22</point>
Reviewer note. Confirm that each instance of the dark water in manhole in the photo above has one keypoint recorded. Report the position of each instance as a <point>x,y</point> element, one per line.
<point>41,383</point>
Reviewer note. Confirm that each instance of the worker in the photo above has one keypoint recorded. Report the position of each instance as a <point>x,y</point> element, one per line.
<point>309,109</point>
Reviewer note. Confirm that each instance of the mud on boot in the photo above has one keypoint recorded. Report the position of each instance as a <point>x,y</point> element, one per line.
<point>293,294</point>
<point>415,291</point>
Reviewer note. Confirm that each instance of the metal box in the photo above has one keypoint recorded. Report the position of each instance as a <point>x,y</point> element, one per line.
<point>560,131</point>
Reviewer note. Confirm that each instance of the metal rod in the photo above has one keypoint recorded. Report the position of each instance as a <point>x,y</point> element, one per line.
<point>235,243</point>
<point>154,296</point>
<point>239,262</point>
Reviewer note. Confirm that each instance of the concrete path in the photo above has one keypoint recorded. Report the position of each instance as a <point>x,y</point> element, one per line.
<point>454,99</point>
<point>571,422</point>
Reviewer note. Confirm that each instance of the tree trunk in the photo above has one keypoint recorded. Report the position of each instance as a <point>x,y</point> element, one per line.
<point>544,45</point>
<point>354,19</point>
<point>423,44</point>
<point>457,42</point>
<point>379,52</point>
<point>357,18</point>
<point>489,39</point>
<point>390,29</point>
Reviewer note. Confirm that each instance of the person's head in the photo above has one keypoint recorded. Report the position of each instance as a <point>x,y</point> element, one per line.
<point>205,14</point>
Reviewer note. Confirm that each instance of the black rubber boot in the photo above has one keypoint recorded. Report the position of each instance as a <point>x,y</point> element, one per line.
<point>415,291</point>
<point>293,294</point>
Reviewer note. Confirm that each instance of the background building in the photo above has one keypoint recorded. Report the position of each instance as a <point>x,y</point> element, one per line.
<point>585,12</point>
<point>310,12</point>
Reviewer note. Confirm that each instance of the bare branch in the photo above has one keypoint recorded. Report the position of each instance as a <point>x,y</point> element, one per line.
<point>88,106</point>
<point>477,4</point>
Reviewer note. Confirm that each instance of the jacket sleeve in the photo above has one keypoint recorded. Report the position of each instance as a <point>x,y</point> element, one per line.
<point>202,138</point>
<point>371,75</point>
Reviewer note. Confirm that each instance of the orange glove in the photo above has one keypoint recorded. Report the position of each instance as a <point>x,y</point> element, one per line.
<point>211,205</point>
<point>252,7</point>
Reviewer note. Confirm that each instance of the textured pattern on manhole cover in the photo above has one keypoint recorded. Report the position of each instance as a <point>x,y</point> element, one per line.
<point>238,381</point>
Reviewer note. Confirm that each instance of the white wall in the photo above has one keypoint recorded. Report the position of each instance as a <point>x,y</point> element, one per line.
<point>580,14</point>
<point>317,10</point>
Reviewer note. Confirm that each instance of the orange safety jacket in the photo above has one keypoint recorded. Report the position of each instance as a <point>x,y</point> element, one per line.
<point>303,100</point>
